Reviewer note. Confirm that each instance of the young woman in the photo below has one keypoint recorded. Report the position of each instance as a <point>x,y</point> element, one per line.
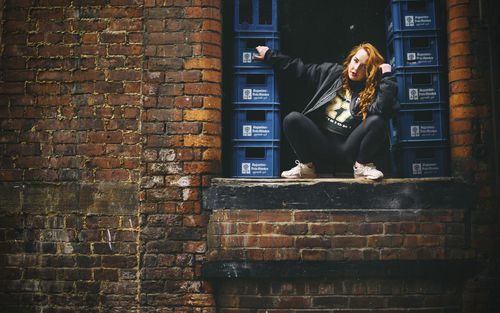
<point>346,119</point>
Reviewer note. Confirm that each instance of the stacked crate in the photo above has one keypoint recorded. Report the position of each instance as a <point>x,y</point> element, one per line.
<point>414,50</point>
<point>255,104</point>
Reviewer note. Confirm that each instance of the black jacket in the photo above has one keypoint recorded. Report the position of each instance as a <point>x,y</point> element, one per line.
<point>326,80</point>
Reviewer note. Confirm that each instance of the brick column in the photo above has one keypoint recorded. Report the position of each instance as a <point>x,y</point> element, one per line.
<point>470,120</point>
<point>181,132</point>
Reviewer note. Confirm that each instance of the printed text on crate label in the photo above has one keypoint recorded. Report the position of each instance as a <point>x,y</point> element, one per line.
<point>417,20</point>
<point>414,57</point>
<point>424,168</point>
<point>423,131</point>
<point>421,94</point>
<point>254,168</point>
<point>256,94</point>
<point>255,131</point>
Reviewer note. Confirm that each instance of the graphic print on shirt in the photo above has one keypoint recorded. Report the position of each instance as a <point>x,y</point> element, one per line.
<point>338,115</point>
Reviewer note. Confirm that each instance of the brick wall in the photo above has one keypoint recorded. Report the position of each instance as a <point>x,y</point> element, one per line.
<point>110,127</point>
<point>72,91</point>
<point>329,235</point>
<point>337,295</point>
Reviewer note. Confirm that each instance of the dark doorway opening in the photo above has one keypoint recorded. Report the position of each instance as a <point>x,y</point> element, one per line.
<point>316,31</point>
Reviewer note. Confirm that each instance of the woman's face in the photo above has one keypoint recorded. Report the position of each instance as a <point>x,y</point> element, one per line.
<point>357,65</point>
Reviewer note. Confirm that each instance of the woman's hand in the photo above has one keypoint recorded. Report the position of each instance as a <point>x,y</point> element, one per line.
<point>262,52</point>
<point>385,68</point>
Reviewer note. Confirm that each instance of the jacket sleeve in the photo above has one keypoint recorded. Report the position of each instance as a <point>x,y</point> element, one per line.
<point>312,74</point>
<point>386,101</point>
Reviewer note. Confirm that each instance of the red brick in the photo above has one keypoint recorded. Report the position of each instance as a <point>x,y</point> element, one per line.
<point>202,167</point>
<point>202,115</point>
<point>458,23</point>
<point>207,37</point>
<point>202,89</point>
<point>348,242</point>
<point>164,38</point>
<point>460,36</point>
<point>461,139</point>
<point>202,141</point>
<point>463,112</point>
<point>203,13</point>
<point>105,137</point>
<point>458,11</point>
<point>461,61</point>
<point>276,241</point>
<point>203,63</point>
<point>276,216</point>
<point>90,149</point>
<point>313,255</point>
<point>459,74</point>
<point>460,99</point>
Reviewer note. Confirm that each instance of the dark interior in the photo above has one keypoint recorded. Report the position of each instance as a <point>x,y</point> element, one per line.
<point>316,31</point>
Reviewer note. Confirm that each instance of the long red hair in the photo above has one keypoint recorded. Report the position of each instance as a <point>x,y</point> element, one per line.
<point>372,78</point>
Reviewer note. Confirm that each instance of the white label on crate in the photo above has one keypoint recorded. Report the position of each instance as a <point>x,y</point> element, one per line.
<point>247,130</point>
<point>415,131</point>
<point>428,131</point>
<point>389,28</point>
<point>247,94</point>
<point>416,168</point>
<point>409,21</point>
<point>245,168</point>
<point>247,57</point>
<point>260,131</point>
<point>392,62</point>
<point>260,94</point>
<point>413,94</point>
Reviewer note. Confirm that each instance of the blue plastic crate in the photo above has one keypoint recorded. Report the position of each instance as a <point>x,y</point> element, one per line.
<point>255,15</point>
<point>415,49</point>
<point>255,87</point>
<point>255,159</point>
<point>244,48</point>
<point>418,160</point>
<point>419,125</point>
<point>421,87</point>
<point>256,124</point>
<point>411,15</point>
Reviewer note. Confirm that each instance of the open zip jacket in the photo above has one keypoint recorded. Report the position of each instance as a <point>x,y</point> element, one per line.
<point>326,80</point>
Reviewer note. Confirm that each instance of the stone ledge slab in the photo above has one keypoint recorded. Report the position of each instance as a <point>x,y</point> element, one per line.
<point>439,193</point>
<point>429,269</point>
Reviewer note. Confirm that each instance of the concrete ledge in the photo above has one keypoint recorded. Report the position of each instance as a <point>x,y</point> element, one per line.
<point>428,269</point>
<point>439,193</point>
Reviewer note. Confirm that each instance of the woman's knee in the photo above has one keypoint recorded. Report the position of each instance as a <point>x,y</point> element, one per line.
<point>292,120</point>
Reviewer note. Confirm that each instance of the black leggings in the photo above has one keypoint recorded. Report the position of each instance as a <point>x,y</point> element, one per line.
<point>313,144</point>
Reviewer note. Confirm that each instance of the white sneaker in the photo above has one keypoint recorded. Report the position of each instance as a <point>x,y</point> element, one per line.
<point>367,171</point>
<point>300,171</point>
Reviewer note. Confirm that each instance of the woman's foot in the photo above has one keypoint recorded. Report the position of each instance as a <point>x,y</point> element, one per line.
<point>300,171</point>
<point>367,171</point>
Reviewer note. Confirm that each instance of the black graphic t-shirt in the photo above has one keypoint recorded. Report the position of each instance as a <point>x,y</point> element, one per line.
<point>338,117</point>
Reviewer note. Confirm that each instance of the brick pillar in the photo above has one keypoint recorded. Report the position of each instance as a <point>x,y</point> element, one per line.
<point>181,133</point>
<point>470,111</point>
